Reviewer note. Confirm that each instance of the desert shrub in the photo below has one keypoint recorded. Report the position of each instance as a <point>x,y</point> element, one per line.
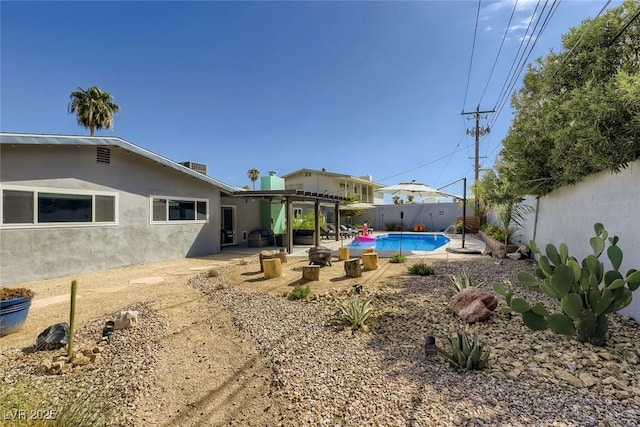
<point>422,269</point>
<point>213,273</point>
<point>299,292</point>
<point>463,352</point>
<point>81,410</point>
<point>398,258</point>
<point>356,312</point>
<point>460,281</point>
<point>495,231</point>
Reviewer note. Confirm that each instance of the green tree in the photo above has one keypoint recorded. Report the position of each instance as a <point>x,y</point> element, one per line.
<point>94,108</point>
<point>500,195</point>
<point>253,175</point>
<point>577,112</point>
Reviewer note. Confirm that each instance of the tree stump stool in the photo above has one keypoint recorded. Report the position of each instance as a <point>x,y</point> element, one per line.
<point>370,261</point>
<point>352,267</point>
<point>368,250</point>
<point>311,272</point>
<point>343,253</point>
<point>281,255</point>
<point>272,268</point>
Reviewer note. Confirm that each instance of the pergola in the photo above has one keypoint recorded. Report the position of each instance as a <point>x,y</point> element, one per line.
<point>288,197</point>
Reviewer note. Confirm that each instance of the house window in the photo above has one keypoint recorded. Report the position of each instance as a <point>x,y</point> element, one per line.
<point>49,207</point>
<point>297,212</point>
<point>171,209</point>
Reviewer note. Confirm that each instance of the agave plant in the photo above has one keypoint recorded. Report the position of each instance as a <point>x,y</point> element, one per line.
<point>461,281</point>
<point>465,353</point>
<point>356,312</point>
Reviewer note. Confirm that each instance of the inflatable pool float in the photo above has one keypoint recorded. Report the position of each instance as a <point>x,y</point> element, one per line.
<point>365,239</point>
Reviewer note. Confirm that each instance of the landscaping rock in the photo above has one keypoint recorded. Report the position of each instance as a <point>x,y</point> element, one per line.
<point>54,337</point>
<point>473,304</point>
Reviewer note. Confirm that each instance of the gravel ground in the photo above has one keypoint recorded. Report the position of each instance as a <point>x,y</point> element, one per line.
<point>308,369</point>
<point>333,376</point>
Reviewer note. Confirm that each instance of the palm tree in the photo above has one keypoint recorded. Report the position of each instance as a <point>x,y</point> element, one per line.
<point>253,175</point>
<point>94,108</point>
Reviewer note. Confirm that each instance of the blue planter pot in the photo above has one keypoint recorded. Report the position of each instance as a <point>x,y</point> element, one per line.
<point>13,314</point>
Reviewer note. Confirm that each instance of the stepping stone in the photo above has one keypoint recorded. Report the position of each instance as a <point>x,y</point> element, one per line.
<point>147,281</point>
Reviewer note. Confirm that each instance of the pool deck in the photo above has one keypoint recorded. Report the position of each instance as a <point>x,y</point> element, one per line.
<point>453,249</point>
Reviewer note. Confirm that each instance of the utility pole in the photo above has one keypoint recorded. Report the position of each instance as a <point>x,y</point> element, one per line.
<point>478,132</point>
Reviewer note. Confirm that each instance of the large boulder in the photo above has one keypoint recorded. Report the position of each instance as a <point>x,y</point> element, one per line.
<point>473,304</point>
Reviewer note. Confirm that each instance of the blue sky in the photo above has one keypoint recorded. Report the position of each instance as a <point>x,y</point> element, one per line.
<point>361,88</point>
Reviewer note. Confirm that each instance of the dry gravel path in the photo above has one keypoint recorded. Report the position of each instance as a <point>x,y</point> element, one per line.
<point>244,355</point>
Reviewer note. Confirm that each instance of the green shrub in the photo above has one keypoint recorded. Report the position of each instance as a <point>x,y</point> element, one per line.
<point>461,281</point>
<point>398,258</point>
<point>495,231</point>
<point>356,312</point>
<point>299,292</point>
<point>422,269</point>
<point>585,291</point>
<point>465,353</point>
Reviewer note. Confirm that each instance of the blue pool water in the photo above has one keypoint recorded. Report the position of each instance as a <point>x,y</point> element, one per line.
<point>410,242</point>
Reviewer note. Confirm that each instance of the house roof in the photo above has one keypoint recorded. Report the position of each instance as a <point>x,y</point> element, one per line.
<point>39,139</point>
<point>336,175</point>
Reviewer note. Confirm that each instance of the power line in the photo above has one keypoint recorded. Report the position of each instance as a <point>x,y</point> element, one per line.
<point>473,48</point>
<point>523,60</point>
<point>504,37</point>
<point>624,28</point>
<point>425,164</point>
<point>505,87</point>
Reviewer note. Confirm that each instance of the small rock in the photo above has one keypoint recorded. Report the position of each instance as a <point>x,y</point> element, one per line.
<point>588,379</point>
<point>569,378</point>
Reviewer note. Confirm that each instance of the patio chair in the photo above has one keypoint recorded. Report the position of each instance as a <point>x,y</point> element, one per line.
<point>348,231</point>
<point>327,232</point>
<point>333,231</point>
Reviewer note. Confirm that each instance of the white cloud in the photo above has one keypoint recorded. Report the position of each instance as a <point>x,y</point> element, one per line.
<point>488,29</point>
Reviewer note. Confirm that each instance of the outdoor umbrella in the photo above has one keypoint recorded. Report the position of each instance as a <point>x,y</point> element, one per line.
<point>358,206</point>
<point>412,188</point>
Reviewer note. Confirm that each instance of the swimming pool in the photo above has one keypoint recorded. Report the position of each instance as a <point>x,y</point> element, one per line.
<point>411,242</point>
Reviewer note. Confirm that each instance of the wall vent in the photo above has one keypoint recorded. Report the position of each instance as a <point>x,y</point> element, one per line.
<point>198,167</point>
<point>103,155</point>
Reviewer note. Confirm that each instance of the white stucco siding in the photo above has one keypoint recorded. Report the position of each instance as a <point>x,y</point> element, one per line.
<point>568,215</point>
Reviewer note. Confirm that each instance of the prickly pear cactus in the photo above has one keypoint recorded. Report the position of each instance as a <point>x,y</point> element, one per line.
<point>586,292</point>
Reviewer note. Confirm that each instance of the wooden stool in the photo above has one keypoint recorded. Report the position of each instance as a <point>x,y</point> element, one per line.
<point>368,250</point>
<point>343,253</point>
<point>370,261</point>
<point>272,268</point>
<point>281,255</point>
<point>352,267</point>
<point>311,272</point>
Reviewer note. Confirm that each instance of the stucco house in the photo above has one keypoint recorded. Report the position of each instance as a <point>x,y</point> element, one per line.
<point>324,182</point>
<point>71,204</point>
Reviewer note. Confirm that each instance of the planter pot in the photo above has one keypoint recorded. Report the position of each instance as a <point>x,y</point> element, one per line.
<point>13,314</point>
<point>303,237</point>
<point>496,245</point>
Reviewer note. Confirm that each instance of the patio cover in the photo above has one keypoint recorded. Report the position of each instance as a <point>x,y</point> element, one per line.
<point>290,196</point>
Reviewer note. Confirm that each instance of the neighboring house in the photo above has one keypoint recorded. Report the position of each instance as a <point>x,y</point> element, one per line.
<point>323,182</point>
<point>72,204</point>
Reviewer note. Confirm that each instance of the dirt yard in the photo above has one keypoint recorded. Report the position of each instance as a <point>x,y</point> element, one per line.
<point>235,387</point>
